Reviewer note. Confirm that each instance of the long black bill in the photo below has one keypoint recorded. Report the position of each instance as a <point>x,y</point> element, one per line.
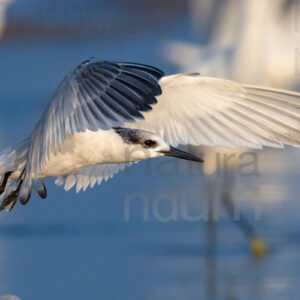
<point>181,154</point>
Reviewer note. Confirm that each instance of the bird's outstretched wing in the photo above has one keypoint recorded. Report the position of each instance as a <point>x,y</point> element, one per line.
<point>215,112</point>
<point>96,95</point>
<point>89,176</point>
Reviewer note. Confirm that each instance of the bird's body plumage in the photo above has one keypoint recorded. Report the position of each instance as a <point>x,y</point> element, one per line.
<point>104,116</point>
<point>81,150</point>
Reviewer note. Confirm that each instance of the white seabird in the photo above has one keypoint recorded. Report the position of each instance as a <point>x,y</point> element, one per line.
<point>106,115</point>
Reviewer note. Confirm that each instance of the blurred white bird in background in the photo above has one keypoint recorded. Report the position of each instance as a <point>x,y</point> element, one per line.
<point>4,4</point>
<point>250,41</point>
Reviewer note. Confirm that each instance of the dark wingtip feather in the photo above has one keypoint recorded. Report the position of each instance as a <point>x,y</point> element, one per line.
<point>24,197</point>
<point>42,194</point>
<point>41,189</point>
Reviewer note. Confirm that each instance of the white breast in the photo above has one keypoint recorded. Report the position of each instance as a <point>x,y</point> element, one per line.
<point>85,149</point>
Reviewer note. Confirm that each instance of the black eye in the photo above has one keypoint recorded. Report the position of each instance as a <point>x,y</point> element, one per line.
<point>149,143</point>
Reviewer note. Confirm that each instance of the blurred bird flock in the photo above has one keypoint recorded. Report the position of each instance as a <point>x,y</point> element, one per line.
<point>131,237</point>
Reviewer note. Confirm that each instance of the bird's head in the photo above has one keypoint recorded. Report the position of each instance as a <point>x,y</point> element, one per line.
<point>142,144</point>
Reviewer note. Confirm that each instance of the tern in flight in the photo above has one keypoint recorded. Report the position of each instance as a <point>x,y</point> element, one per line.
<point>105,116</point>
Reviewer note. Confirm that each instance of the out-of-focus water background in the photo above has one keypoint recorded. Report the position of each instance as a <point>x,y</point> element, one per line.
<point>159,230</point>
